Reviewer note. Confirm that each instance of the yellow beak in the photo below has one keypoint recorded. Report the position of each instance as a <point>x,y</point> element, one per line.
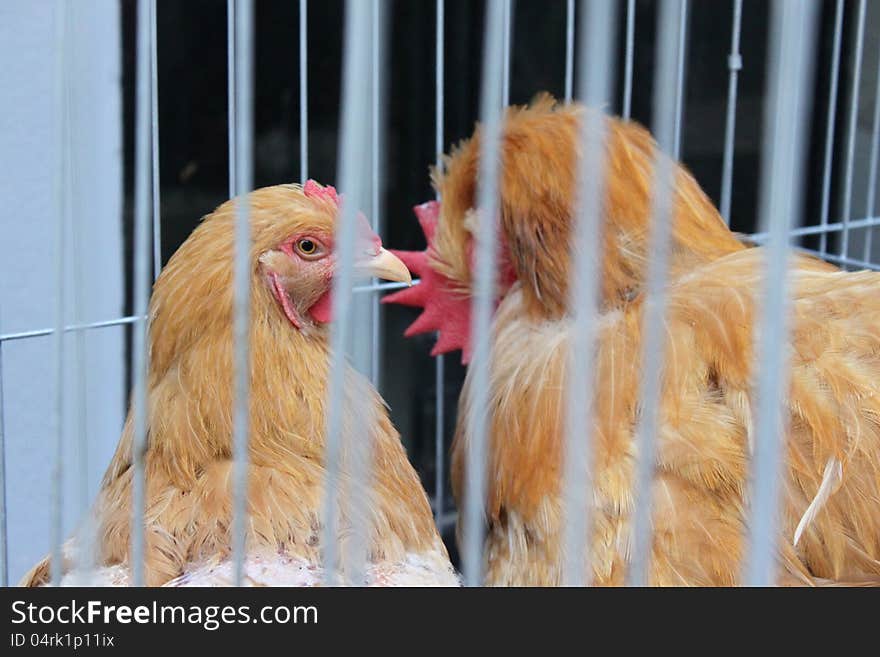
<point>384,265</point>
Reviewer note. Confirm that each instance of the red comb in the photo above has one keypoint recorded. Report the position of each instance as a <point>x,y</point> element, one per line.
<point>315,190</point>
<point>446,310</point>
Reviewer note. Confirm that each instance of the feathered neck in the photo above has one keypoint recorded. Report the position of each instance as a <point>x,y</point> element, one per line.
<point>539,156</point>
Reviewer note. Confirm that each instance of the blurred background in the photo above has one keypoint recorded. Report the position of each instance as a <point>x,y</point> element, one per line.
<point>192,104</point>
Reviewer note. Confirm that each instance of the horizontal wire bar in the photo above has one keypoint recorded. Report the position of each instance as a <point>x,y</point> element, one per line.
<point>445,520</point>
<point>867,222</point>
<point>130,319</point>
<point>37,333</point>
<point>383,287</point>
<point>870,222</point>
<point>838,260</point>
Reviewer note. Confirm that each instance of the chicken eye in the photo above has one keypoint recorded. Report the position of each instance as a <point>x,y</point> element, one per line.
<point>307,247</point>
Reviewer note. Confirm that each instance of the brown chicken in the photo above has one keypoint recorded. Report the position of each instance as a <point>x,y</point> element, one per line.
<point>188,458</point>
<point>830,527</point>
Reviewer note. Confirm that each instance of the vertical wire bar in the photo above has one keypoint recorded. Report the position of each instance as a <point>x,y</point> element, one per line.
<point>154,141</point>
<point>140,352</point>
<point>86,538</point>
<point>353,150</point>
<point>505,93</point>
<point>439,361</point>
<point>376,181</point>
<point>483,298</point>
<point>872,168</point>
<point>628,65</point>
<point>4,537</point>
<point>73,242</point>
<point>666,55</point>
<point>61,175</point>
<point>85,535</point>
<point>598,27</point>
<point>830,124</point>
<point>852,129</point>
<point>439,451</point>
<point>569,50</point>
<point>230,92</point>
<point>244,176</point>
<point>734,65</point>
<point>792,28</point>
<point>303,90</point>
<point>680,78</point>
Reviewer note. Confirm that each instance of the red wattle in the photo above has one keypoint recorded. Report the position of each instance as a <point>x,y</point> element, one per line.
<point>322,309</point>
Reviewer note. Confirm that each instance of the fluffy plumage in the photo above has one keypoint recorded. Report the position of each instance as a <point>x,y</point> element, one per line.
<point>188,458</point>
<point>830,529</point>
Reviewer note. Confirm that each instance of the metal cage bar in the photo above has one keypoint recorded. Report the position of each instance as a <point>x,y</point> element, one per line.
<point>837,227</point>
<point>666,115</point>
<point>508,42</point>
<point>680,77</point>
<point>838,260</point>
<point>487,202</point>
<point>595,72</point>
<point>142,279</point>
<point>569,49</point>
<point>439,361</point>
<point>303,90</point>
<point>872,166</point>
<point>792,29</point>
<point>628,58</point>
<point>376,160</point>
<point>86,538</point>
<point>353,146</point>
<point>61,184</point>
<point>830,124</point>
<point>154,142</point>
<point>4,535</point>
<point>734,65</point>
<point>230,91</point>
<point>243,125</point>
<point>853,128</point>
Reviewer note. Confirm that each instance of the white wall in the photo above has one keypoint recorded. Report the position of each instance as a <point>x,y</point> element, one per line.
<point>29,156</point>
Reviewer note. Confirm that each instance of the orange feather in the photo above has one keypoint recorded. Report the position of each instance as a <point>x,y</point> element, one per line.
<point>831,493</point>
<point>189,452</point>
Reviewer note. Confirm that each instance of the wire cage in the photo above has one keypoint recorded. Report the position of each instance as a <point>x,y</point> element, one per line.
<point>817,121</point>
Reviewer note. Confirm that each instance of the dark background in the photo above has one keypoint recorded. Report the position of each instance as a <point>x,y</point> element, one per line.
<point>193,124</point>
